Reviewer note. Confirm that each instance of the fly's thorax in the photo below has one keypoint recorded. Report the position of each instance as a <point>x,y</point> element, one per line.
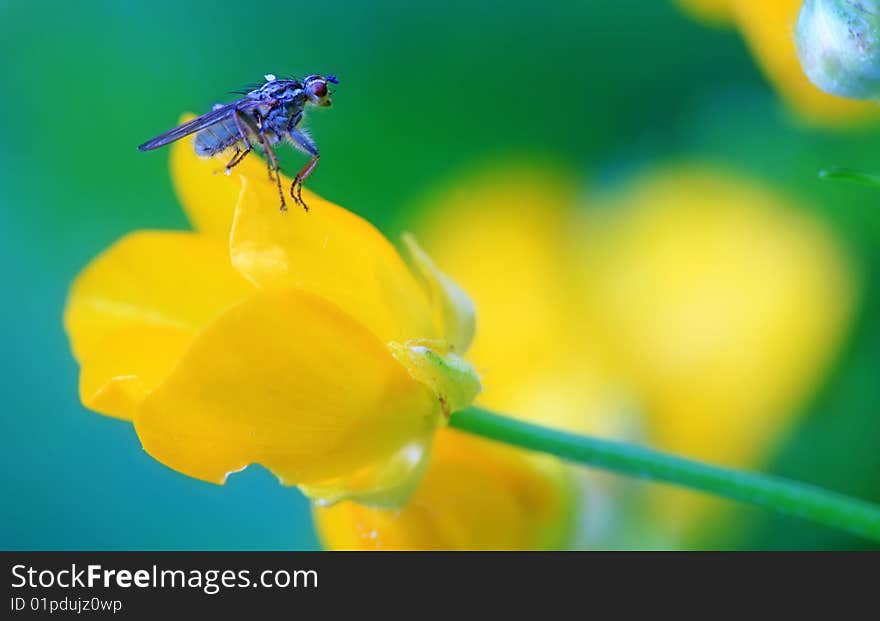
<point>285,91</point>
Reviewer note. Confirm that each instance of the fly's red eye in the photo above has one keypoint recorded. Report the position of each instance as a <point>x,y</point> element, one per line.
<point>319,88</point>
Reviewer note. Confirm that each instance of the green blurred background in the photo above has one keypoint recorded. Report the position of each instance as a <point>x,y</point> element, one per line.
<point>427,92</point>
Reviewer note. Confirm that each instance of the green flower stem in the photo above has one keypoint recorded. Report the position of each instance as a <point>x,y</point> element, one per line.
<point>773,493</point>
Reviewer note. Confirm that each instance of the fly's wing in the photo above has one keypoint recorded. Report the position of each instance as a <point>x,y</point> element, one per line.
<point>206,120</point>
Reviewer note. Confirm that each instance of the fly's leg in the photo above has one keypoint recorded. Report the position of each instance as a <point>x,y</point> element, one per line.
<point>241,122</point>
<point>269,170</point>
<point>271,156</point>
<point>296,187</point>
<point>306,144</point>
<point>228,168</point>
<point>237,158</point>
<point>262,132</point>
<point>291,124</point>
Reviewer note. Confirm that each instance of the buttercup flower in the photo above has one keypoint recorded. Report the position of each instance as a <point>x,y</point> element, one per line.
<point>769,30</point>
<point>299,341</point>
<point>695,311</point>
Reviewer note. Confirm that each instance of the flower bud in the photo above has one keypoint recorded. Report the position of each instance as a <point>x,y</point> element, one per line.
<point>838,45</point>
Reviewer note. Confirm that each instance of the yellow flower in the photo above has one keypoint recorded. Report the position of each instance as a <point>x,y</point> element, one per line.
<point>768,28</point>
<point>721,305</point>
<point>299,341</point>
<point>476,495</point>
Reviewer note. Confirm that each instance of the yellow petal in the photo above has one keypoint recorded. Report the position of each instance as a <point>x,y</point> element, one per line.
<point>476,494</point>
<point>119,373</point>
<point>330,252</point>
<point>454,311</point>
<point>388,482</point>
<point>164,278</point>
<point>288,381</point>
<point>133,310</point>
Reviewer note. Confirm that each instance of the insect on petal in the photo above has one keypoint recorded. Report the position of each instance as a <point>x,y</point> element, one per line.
<point>208,196</point>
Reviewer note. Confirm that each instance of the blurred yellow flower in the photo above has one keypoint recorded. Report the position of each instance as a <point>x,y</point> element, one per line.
<point>299,341</point>
<point>721,305</point>
<point>476,495</point>
<point>768,28</point>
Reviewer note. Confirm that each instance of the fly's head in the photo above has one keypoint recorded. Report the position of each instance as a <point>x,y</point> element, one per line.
<point>317,89</point>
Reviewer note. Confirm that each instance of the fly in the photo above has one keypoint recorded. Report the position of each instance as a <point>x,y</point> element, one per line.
<point>267,115</point>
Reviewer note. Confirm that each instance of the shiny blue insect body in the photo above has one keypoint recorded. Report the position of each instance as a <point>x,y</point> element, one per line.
<point>265,116</point>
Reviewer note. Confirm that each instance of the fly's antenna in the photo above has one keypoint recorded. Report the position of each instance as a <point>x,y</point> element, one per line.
<point>332,79</point>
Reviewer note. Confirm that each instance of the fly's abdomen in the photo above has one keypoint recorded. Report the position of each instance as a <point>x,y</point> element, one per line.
<point>217,137</point>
